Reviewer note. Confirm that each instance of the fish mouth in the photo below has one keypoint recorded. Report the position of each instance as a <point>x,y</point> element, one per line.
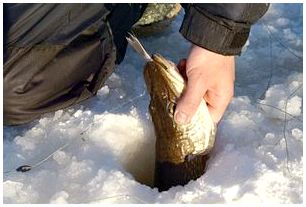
<point>162,61</point>
<point>170,74</point>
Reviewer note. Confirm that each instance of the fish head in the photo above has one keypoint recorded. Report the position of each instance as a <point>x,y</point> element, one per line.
<point>163,78</point>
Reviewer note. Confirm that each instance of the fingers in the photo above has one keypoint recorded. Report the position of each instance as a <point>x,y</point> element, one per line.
<point>217,103</point>
<point>190,99</point>
<point>210,76</point>
<point>220,95</point>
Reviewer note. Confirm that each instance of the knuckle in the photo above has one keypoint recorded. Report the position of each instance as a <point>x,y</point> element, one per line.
<point>187,107</point>
<point>193,71</point>
<point>191,105</point>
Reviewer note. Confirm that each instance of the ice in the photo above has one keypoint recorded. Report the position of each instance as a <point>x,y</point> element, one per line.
<point>297,133</point>
<point>109,154</point>
<point>282,21</point>
<point>60,198</point>
<point>103,91</point>
<point>61,158</point>
<point>281,96</point>
<point>17,192</point>
<point>114,81</point>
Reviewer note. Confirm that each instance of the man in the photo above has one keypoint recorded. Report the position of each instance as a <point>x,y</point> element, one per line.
<point>57,55</point>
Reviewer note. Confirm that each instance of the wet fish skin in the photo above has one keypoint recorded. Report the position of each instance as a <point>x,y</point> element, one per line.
<point>168,174</point>
<point>181,149</point>
<point>175,141</point>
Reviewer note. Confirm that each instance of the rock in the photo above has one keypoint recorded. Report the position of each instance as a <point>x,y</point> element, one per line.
<point>156,18</point>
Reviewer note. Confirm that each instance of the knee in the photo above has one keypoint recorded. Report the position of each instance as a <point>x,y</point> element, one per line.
<point>15,106</point>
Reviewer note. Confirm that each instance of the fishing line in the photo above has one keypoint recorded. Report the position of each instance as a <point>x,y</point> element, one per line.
<point>285,125</point>
<point>114,109</point>
<point>281,43</point>
<point>272,36</point>
<point>271,69</point>
<point>292,116</point>
<point>26,167</point>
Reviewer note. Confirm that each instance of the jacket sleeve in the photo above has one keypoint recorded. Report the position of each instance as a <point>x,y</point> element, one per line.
<point>221,28</point>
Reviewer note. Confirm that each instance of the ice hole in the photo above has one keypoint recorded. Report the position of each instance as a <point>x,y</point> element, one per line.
<point>141,166</point>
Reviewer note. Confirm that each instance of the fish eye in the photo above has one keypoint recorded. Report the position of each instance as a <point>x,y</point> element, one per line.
<point>171,106</point>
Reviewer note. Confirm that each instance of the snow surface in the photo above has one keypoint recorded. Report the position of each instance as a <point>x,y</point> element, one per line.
<point>109,162</point>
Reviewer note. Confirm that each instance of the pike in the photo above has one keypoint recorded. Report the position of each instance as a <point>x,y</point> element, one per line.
<point>181,149</point>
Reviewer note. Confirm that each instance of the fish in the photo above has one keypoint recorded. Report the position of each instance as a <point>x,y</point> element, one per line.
<point>182,150</point>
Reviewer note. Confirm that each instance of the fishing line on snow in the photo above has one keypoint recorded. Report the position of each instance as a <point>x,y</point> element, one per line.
<point>273,36</point>
<point>285,125</point>
<point>27,167</point>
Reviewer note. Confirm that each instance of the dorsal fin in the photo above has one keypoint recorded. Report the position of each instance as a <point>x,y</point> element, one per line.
<point>135,43</point>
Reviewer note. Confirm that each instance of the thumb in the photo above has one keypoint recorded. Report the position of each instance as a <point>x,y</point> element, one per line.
<point>190,99</point>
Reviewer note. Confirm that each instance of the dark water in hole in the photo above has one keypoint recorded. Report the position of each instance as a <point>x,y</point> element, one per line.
<point>142,167</point>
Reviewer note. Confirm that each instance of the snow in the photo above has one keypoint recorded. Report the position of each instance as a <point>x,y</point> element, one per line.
<point>258,155</point>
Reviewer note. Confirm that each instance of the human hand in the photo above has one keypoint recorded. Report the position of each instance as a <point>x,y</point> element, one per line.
<point>210,76</point>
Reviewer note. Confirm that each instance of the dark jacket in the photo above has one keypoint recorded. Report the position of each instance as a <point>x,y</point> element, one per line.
<point>221,28</point>
<point>56,55</point>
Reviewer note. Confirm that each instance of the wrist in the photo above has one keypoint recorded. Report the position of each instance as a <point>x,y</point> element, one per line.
<point>201,54</point>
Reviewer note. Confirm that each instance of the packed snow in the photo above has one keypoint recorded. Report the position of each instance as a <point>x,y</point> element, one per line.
<point>106,144</point>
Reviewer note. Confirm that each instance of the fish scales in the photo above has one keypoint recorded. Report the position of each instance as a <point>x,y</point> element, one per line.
<point>181,149</point>
<point>174,141</point>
